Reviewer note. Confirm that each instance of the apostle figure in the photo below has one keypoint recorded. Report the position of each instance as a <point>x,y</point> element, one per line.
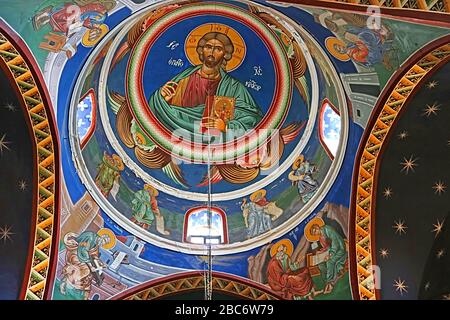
<point>367,47</point>
<point>332,243</point>
<point>69,18</point>
<point>180,104</point>
<point>256,218</point>
<point>83,266</point>
<point>285,276</point>
<point>145,209</point>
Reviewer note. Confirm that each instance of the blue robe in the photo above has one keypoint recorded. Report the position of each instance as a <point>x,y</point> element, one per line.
<point>307,187</point>
<point>258,220</point>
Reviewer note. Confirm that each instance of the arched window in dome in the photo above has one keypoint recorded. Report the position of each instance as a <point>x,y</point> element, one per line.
<point>197,230</point>
<point>329,128</point>
<point>86,117</point>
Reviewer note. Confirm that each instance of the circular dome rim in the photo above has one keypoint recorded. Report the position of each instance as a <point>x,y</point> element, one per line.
<point>189,248</point>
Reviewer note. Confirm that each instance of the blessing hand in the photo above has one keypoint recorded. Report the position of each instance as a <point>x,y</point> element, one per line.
<point>168,90</point>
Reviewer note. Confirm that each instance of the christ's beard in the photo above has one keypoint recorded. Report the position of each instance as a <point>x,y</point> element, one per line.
<point>211,62</point>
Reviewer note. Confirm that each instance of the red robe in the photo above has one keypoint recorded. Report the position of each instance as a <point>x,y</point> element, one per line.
<point>263,202</point>
<point>359,53</point>
<point>288,283</point>
<point>198,90</point>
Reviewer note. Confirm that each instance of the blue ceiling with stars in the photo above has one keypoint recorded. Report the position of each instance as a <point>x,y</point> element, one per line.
<point>16,200</point>
<point>412,205</point>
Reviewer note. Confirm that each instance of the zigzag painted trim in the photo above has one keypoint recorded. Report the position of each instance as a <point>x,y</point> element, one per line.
<point>234,287</point>
<point>367,167</point>
<point>44,143</point>
<point>427,5</point>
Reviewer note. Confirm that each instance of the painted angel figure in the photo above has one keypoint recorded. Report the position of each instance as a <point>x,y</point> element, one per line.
<point>301,175</point>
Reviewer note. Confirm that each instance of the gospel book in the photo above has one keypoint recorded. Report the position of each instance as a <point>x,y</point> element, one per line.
<point>217,107</point>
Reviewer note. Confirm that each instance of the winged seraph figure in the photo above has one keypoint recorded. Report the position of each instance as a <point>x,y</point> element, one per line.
<point>193,95</point>
<point>249,167</point>
<point>145,150</point>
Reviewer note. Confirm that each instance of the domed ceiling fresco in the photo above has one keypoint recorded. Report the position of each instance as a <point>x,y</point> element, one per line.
<point>243,146</point>
<point>238,137</point>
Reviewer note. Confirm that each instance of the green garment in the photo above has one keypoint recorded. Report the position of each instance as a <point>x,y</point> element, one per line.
<point>106,176</point>
<point>286,262</point>
<point>337,251</point>
<point>142,207</point>
<point>186,120</point>
<point>87,241</point>
<point>71,293</point>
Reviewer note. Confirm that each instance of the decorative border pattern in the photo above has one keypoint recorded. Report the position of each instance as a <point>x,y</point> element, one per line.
<point>47,167</point>
<point>185,282</point>
<point>427,5</point>
<point>364,193</point>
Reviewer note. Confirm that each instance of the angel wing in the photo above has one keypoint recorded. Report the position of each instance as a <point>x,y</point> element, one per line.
<point>290,132</point>
<point>173,171</point>
<point>155,159</point>
<point>230,173</point>
<point>115,100</point>
<point>123,124</point>
<point>133,36</point>
<point>158,159</point>
<point>239,175</point>
<point>236,174</point>
<point>302,87</point>
<point>119,55</point>
<point>215,177</point>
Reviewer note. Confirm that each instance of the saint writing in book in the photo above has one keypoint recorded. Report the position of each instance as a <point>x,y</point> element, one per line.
<point>286,276</point>
<point>205,98</point>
